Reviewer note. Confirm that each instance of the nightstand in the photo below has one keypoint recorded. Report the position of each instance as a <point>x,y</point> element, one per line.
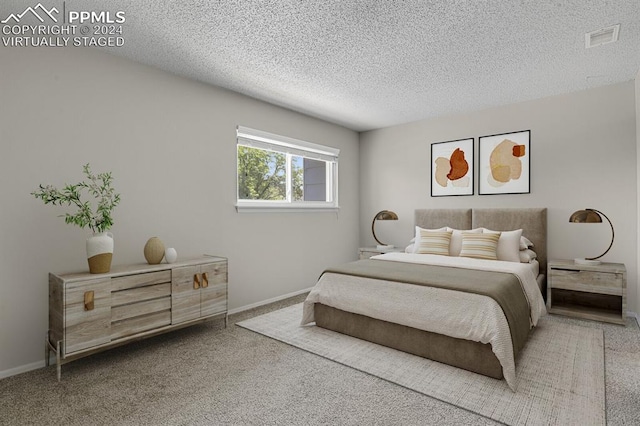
<point>367,252</point>
<point>594,292</point>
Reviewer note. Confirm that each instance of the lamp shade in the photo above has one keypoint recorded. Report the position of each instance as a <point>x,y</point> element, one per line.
<point>591,216</point>
<point>386,215</point>
<point>585,216</point>
<point>382,215</point>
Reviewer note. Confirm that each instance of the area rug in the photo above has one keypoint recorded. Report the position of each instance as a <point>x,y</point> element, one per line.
<point>560,371</point>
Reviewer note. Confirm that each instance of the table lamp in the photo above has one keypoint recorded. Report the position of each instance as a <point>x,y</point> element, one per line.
<point>382,215</point>
<point>591,216</point>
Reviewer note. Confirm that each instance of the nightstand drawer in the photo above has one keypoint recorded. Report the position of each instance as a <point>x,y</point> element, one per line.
<point>368,254</point>
<point>587,281</point>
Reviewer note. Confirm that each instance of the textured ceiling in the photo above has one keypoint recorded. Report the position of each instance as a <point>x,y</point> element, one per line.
<point>372,64</point>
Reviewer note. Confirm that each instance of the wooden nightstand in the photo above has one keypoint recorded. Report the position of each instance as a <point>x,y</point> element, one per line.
<point>594,292</point>
<point>367,252</point>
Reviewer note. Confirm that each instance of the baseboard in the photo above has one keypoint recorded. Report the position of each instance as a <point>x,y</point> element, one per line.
<point>21,369</point>
<point>634,315</point>
<point>266,302</point>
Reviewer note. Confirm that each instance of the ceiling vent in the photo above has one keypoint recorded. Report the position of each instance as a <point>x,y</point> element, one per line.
<point>602,36</point>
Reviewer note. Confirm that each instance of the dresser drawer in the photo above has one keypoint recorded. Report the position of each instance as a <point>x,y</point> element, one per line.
<point>140,294</point>
<point>139,324</point>
<point>140,280</point>
<point>587,281</point>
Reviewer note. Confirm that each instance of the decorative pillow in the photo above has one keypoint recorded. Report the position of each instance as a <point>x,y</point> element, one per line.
<point>527,256</point>
<point>416,240</point>
<point>480,246</point>
<point>434,242</point>
<point>456,239</point>
<point>525,243</point>
<point>509,244</point>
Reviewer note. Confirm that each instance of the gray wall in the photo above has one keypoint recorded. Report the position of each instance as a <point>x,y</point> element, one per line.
<point>583,154</point>
<point>170,143</point>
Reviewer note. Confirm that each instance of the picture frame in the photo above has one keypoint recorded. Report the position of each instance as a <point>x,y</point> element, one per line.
<point>504,163</point>
<point>452,168</point>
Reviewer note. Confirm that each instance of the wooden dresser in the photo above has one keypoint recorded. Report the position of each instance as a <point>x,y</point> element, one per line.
<point>89,313</point>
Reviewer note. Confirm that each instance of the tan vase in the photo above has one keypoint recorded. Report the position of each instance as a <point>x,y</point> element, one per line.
<point>100,252</point>
<point>154,251</point>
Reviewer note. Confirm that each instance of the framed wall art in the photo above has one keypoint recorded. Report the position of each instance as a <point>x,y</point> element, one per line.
<point>452,168</point>
<point>504,165</point>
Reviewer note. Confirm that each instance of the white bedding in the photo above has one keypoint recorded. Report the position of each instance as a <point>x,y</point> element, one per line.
<point>452,313</point>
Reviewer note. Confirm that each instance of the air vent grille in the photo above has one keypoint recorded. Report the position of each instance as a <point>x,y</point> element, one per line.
<point>602,36</point>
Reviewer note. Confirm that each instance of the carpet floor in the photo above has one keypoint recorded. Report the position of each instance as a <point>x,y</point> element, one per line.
<point>209,375</point>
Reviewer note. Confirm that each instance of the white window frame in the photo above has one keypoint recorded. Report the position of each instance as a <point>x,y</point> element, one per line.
<point>253,138</point>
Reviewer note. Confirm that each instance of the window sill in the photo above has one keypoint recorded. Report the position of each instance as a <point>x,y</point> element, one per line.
<point>283,208</point>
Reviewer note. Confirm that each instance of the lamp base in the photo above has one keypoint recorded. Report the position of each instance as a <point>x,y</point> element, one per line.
<point>586,262</point>
<point>385,247</point>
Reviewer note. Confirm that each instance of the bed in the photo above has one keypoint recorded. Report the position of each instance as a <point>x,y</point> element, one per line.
<point>463,325</point>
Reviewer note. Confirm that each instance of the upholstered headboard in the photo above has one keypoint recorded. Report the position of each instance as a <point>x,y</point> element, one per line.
<point>437,218</point>
<point>533,222</point>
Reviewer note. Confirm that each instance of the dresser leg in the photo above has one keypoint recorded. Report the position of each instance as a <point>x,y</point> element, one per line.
<point>58,365</point>
<point>47,351</point>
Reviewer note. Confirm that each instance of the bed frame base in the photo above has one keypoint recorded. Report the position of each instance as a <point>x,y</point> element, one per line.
<point>473,356</point>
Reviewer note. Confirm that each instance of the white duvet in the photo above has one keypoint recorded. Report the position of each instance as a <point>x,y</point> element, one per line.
<point>452,313</point>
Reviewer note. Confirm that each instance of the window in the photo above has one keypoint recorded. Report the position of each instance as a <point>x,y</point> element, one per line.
<point>277,172</point>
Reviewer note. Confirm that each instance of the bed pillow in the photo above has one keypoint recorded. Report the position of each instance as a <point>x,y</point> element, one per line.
<point>480,246</point>
<point>525,243</point>
<point>527,256</point>
<point>416,239</point>
<point>508,245</point>
<point>433,242</point>
<point>456,239</point>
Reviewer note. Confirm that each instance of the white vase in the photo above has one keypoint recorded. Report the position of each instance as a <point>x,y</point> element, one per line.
<point>170,255</point>
<point>100,252</point>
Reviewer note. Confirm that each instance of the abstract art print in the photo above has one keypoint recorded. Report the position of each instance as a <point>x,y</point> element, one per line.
<point>505,163</point>
<point>452,168</point>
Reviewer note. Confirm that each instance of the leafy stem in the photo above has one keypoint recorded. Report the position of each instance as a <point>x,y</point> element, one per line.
<point>99,186</point>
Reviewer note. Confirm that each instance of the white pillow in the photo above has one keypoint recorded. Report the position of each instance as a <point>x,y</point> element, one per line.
<point>480,246</point>
<point>508,245</point>
<point>527,256</point>
<point>525,243</point>
<point>456,239</point>
<point>410,248</point>
<point>434,242</point>
<point>416,240</point>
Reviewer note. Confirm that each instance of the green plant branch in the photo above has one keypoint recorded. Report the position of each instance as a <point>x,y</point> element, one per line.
<point>99,186</point>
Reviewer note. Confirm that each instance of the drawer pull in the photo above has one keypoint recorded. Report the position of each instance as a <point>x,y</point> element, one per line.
<point>196,281</point>
<point>205,280</point>
<point>571,271</point>
<point>89,300</point>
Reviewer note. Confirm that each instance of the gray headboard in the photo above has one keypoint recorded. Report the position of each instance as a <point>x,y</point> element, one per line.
<point>437,218</point>
<point>533,222</point>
